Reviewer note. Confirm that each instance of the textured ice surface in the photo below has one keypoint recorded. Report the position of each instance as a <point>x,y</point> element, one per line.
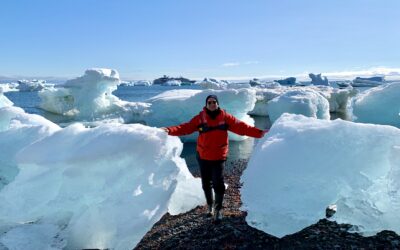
<point>380,105</point>
<point>80,187</point>
<point>307,102</point>
<point>306,164</point>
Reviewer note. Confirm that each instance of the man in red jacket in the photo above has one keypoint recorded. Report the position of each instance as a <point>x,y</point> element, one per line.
<point>213,124</point>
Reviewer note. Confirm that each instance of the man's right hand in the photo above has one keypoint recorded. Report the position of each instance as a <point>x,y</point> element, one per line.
<point>165,129</point>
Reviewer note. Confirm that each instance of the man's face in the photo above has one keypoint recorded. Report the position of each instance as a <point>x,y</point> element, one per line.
<point>212,104</point>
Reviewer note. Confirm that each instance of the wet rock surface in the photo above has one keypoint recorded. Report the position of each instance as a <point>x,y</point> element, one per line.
<point>194,230</point>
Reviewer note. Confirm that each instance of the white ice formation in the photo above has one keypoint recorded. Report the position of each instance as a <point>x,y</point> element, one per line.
<point>238,85</point>
<point>368,81</point>
<point>172,83</point>
<point>339,99</point>
<point>380,105</point>
<point>80,188</point>
<point>306,164</point>
<point>142,83</point>
<point>33,85</point>
<point>290,81</point>
<point>317,80</point>
<point>18,130</point>
<point>263,96</point>
<point>300,101</point>
<point>211,83</point>
<point>7,87</point>
<point>90,96</point>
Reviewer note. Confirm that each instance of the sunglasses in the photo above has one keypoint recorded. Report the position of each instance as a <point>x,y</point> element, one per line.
<point>211,102</point>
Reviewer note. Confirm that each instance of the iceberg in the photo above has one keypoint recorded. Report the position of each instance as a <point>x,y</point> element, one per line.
<point>103,187</point>
<point>317,80</point>
<point>34,85</point>
<point>125,83</point>
<point>136,83</point>
<point>307,102</point>
<point>290,81</point>
<point>368,82</point>
<point>339,99</point>
<point>7,87</point>
<point>90,97</point>
<point>378,105</point>
<point>343,84</point>
<point>211,83</point>
<point>255,82</point>
<point>263,96</point>
<point>238,85</point>
<point>142,83</point>
<point>178,106</point>
<point>351,165</point>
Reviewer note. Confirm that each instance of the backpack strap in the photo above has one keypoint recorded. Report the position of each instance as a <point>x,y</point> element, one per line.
<point>203,126</point>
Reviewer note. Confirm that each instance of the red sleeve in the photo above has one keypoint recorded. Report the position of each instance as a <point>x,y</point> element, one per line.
<point>241,128</point>
<point>185,128</point>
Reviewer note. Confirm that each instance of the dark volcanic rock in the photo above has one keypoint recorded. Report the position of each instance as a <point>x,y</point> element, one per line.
<point>193,230</point>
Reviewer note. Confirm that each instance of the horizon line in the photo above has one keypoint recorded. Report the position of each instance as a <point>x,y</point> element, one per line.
<point>388,72</point>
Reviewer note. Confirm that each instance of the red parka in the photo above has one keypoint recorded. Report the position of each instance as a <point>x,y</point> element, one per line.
<point>213,145</point>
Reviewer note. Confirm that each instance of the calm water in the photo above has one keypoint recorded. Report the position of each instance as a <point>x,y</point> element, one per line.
<point>30,101</point>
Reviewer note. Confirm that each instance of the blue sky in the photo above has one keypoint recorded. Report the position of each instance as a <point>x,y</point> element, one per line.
<point>145,39</point>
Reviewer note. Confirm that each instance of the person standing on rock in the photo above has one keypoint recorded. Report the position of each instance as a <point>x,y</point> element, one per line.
<point>213,124</point>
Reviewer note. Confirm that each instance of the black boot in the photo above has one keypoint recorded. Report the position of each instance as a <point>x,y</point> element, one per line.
<point>209,210</point>
<point>219,197</point>
<point>209,199</point>
<point>217,217</point>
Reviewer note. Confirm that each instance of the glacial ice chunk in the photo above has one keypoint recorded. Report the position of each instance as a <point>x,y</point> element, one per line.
<point>305,164</point>
<point>380,105</point>
<point>317,79</point>
<point>90,97</point>
<point>100,187</point>
<point>307,102</point>
<point>368,81</point>
<point>18,130</point>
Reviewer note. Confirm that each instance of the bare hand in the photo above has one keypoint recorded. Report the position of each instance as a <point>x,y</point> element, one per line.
<point>165,129</point>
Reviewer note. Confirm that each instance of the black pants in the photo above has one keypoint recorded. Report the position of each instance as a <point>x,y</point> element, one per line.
<point>212,177</point>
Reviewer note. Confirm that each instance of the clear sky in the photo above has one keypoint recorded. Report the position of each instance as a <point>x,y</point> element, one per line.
<point>144,39</point>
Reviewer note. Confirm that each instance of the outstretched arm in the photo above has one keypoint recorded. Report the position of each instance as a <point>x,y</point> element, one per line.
<point>241,128</point>
<point>184,128</point>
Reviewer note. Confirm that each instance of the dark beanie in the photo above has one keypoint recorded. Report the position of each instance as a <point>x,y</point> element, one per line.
<point>212,96</point>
